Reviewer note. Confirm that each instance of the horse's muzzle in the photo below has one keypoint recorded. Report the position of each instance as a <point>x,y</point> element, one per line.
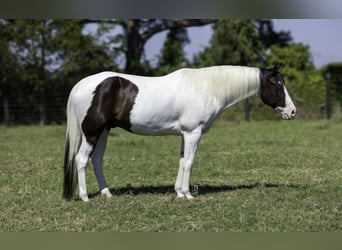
<point>288,113</point>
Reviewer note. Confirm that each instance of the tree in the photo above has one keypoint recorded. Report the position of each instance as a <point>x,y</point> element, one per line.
<point>172,54</point>
<point>47,57</point>
<point>8,70</point>
<point>269,37</point>
<point>234,42</point>
<point>138,31</point>
<point>81,55</point>
<point>32,46</point>
<point>242,42</point>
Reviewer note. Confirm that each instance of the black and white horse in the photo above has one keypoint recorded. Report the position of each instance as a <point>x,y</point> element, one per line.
<point>184,103</point>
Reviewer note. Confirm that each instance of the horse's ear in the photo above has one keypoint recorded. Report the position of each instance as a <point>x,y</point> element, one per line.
<point>276,67</point>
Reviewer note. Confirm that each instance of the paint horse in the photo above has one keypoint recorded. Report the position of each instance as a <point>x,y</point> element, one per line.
<point>184,103</point>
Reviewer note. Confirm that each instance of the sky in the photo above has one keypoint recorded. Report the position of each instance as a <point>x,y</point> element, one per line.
<point>323,36</point>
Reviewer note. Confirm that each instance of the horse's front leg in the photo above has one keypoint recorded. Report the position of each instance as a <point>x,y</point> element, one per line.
<point>191,141</point>
<point>179,180</point>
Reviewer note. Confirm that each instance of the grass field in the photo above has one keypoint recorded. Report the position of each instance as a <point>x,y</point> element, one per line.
<point>258,176</point>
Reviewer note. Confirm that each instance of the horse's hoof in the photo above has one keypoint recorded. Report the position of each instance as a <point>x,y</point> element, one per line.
<point>180,195</point>
<point>84,198</point>
<point>106,192</point>
<point>189,196</point>
<point>186,195</point>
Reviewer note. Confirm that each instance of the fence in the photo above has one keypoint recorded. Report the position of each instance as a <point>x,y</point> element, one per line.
<point>30,107</point>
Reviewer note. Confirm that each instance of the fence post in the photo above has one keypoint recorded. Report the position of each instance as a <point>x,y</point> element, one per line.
<point>328,95</point>
<point>6,111</point>
<point>247,110</point>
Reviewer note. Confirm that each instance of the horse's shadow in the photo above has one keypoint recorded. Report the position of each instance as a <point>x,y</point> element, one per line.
<point>195,189</point>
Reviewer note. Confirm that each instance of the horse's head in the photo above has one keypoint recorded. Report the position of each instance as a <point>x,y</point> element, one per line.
<point>273,93</point>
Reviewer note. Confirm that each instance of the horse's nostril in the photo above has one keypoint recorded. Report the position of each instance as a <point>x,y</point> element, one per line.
<point>293,113</point>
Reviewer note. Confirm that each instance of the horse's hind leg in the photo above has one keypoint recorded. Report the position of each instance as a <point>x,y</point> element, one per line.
<point>82,159</point>
<point>97,160</point>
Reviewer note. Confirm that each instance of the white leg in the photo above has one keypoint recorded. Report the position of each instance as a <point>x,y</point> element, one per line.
<point>179,180</point>
<point>106,192</point>
<point>97,160</point>
<point>82,161</point>
<point>191,141</point>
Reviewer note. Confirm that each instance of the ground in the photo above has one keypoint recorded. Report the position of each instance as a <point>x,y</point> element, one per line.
<point>259,176</point>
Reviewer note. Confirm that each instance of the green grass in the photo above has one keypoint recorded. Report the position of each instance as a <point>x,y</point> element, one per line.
<point>258,176</point>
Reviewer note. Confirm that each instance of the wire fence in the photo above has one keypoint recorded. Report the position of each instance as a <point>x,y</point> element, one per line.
<point>54,112</point>
<point>34,110</point>
<point>31,107</point>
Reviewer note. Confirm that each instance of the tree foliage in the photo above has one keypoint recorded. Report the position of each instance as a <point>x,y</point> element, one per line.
<point>136,32</point>
<point>172,55</point>
<point>233,42</point>
<point>269,37</point>
<point>47,57</point>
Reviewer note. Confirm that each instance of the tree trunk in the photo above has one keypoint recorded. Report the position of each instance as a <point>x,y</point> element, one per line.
<point>136,38</point>
<point>43,115</point>
<point>135,47</point>
<point>247,110</point>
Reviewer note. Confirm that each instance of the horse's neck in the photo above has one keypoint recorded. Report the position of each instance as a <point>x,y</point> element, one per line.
<point>240,84</point>
<point>226,85</point>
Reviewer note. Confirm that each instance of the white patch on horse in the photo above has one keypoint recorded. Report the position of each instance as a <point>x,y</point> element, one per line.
<point>186,98</point>
<point>289,111</point>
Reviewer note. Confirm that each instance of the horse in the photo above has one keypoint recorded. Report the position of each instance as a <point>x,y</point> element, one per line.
<point>184,103</point>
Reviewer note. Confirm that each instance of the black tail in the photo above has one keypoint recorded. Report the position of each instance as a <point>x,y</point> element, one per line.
<point>70,176</point>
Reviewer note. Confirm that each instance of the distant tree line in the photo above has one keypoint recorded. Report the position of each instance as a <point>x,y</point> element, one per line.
<point>41,60</point>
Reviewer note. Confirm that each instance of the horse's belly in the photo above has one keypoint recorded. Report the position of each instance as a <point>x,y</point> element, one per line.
<point>155,119</point>
<point>146,129</point>
<point>150,125</point>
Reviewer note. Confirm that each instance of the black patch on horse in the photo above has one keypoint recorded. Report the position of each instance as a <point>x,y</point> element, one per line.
<point>272,90</point>
<point>113,100</point>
